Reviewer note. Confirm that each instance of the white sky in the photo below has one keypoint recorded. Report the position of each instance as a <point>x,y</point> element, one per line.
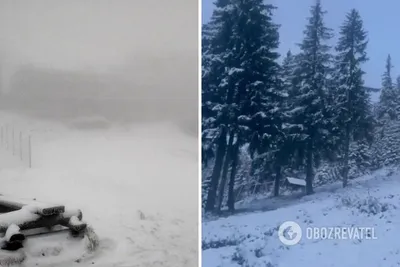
<point>95,33</point>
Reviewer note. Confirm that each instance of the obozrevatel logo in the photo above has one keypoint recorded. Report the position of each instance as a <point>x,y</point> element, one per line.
<point>289,233</point>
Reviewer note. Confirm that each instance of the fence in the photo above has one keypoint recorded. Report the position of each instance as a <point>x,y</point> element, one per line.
<point>17,143</point>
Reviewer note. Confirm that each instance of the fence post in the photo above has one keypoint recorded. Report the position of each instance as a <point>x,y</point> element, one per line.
<point>13,140</point>
<point>7,136</point>
<point>30,151</point>
<point>20,145</point>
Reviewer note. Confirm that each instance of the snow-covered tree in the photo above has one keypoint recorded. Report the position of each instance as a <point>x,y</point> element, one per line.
<point>386,146</point>
<point>398,83</point>
<point>352,103</point>
<point>241,87</point>
<point>264,95</point>
<point>315,69</point>
<point>216,51</point>
<point>388,102</point>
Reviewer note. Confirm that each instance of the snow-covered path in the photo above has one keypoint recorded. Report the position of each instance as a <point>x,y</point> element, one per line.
<point>252,239</point>
<point>138,189</point>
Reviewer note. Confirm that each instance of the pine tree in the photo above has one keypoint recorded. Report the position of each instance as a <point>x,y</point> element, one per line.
<point>260,86</point>
<point>239,78</point>
<point>361,159</point>
<point>216,45</point>
<point>386,147</point>
<point>352,101</point>
<point>293,124</point>
<point>315,68</point>
<point>387,81</point>
<point>290,78</point>
<point>398,83</point>
<point>389,97</point>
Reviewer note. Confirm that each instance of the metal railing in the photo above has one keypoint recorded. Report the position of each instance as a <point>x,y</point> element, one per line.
<point>17,143</point>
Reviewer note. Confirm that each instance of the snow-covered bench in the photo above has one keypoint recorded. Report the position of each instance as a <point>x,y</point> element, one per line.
<point>19,215</point>
<point>295,183</point>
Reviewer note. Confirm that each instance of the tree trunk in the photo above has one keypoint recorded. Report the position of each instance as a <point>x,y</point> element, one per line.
<point>231,195</point>
<point>228,157</point>
<point>309,166</point>
<point>278,176</point>
<point>346,156</point>
<point>212,191</point>
<point>347,142</point>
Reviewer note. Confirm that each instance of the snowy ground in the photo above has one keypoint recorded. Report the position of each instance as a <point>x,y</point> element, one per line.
<point>137,187</point>
<point>252,239</point>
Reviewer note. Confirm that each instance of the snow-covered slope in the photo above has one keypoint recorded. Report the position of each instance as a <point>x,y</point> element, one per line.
<point>252,239</point>
<point>137,187</point>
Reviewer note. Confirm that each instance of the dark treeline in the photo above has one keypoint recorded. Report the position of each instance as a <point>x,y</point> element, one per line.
<point>309,117</point>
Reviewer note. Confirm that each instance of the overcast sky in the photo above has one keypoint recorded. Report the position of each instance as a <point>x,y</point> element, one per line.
<point>95,33</point>
<point>152,44</point>
<point>380,18</point>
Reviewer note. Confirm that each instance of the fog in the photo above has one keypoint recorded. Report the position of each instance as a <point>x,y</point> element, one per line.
<point>125,60</point>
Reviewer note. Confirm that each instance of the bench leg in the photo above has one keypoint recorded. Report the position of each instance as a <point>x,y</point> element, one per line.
<point>13,239</point>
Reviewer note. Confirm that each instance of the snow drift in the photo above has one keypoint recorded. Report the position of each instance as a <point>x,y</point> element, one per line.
<point>136,187</point>
<point>252,239</point>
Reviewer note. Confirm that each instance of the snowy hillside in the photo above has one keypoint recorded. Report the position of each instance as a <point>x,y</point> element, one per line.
<point>318,124</point>
<point>252,239</point>
<point>137,187</point>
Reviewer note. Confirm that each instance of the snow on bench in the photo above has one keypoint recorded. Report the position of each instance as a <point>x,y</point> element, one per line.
<point>43,209</point>
<point>296,181</point>
<point>27,218</point>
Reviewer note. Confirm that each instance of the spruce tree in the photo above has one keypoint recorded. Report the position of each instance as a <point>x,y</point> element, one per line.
<point>351,99</point>
<point>398,83</point>
<point>216,45</point>
<point>260,87</point>
<point>292,120</point>
<point>389,97</point>
<point>239,76</point>
<point>290,78</point>
<point>314,69</point>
